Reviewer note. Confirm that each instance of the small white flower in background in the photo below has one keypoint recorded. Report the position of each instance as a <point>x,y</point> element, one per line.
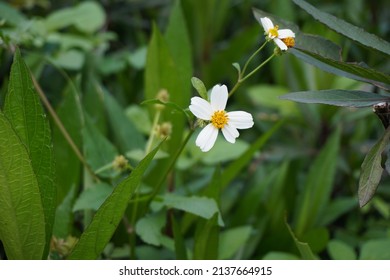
<point>283,38</point>
<point>214,112</point>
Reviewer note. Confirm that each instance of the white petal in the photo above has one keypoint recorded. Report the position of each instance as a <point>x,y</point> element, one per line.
<point>219,97</point>
<point>201,108</point>
<point>285,33</point>
<point>240,119</point>
<point>266,23</point>
<point>280,44</point>
<point>230,133</point>
<point>206,138</point>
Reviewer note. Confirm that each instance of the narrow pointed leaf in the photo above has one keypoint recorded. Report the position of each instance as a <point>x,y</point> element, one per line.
<point>303,248</point>
<point>372,170</point>
<point>345,98</point>
<point>350,70</point>
<point>351,31</point>
<point>94,239</point>
<point>22,221</point>
<point>24,111</point>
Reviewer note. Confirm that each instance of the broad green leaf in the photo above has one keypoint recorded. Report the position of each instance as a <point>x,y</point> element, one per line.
<point>353,32</point>
<point>317,238</point>
<point>303,248</point>
<point>98,151</point>
<point>337,97</point>
<point>64,215</point>
<point>317,190</point>
<point>104,223</point>
<point>354,71</point>
<point>162,73</point>
<point>339,250</point>
<point>68,165</point>
<point>376,249</point>
<point>140,117</point>
<point>233,169</point>
<point>371,172</point>
<point>336,208</point>
<point>231,240</point>
<point>200,87</point>
<point>93,197</point>
<point>11,15</point>
<point>218,152</point>
<point>126,136</point>
<point>181,53</point>
<point>22,220</point>
<point>149,228</point>
<point>70,59</point>
<point>87,17</point>
<point>23,109</point>
<point>202,206</point>
<point>268,96</point>
<point>206,241</point>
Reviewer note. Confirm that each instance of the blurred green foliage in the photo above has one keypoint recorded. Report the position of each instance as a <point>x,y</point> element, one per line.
<point>288,189</point>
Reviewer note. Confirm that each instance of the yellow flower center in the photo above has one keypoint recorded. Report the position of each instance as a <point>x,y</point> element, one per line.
<point>289,41</point>
<point>273,32</point>
<point>219,119</point>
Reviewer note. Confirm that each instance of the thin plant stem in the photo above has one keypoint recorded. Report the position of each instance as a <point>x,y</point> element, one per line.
<point>62,128</point>
<point>251,57</point>
<point>257,68</point>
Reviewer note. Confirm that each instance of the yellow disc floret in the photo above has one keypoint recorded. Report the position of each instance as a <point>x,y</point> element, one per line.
<point>219,119</point>
<point>289,41</point>
<point>273,32</point>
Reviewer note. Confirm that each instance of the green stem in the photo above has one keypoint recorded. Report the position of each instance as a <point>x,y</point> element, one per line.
<point>153,132</point>
<point>252,56</point>
<point>257,68</point>
<point>241,80</point>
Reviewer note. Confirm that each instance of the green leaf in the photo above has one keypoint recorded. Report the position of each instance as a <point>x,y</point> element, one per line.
<point>180,246</point>
<point>339,250</point>
<point>202,206</point>
<point>125,133</point>
<point>371,172</point>
<point>149,228</point>
<point>233,169</point>
<point>337,97</point>
<point>303,248</point>
<point>98,151</point>
<point>68,165</point>
<point>70,59</point>
<point>268,96</point>
<point>231,240</point>
<point>93,197</point>
<point>87,17</point>
<point>11,15</point>
<point>207,239</point>
<point>336,208</point>
<point>354,71</point>
<point>316,192</point>
<point>22,220</point>
<point>64,215</point>
<point>23,109</point>
<point>353,32</point>
<point>107,218</point>
<point>377,249</point>
<point>181,53</point>
<point>200,87</point>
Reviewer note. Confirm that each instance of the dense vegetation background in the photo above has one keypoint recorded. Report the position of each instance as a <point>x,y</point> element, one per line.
<point>286,190</point>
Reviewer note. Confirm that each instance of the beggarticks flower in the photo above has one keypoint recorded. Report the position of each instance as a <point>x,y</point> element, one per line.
<point>283,38</point>
<point>214,112</point>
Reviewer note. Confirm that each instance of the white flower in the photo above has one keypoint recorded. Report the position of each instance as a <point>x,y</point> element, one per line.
<point>214,112</point>
<point>283,38</point>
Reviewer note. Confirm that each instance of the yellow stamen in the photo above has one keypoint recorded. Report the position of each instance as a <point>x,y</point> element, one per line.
<point>289,41</point>
<point>219,119</point>
<point>273,32</point>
